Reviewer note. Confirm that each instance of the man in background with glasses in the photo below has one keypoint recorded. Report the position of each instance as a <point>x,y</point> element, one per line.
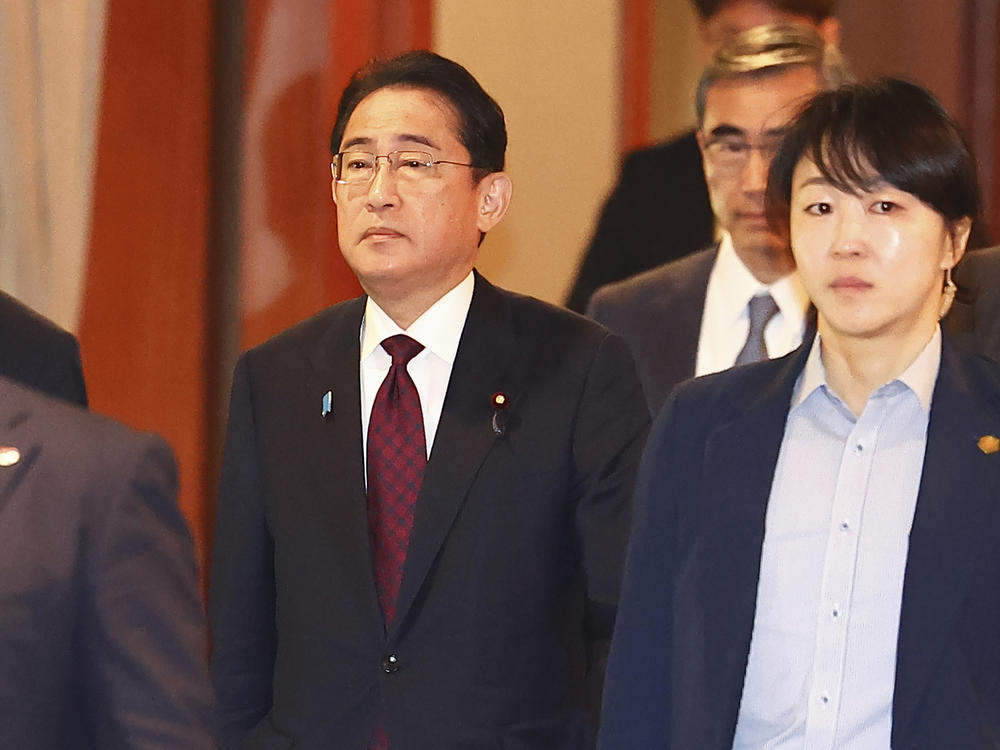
<point>424,500</point>
<point>739,300</point>
<point>659,210</point>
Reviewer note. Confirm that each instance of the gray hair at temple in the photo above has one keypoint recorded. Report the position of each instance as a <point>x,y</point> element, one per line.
<point>767,50</point>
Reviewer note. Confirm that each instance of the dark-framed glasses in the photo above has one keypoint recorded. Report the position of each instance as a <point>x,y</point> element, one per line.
<point>733,152</point>
<point>358,167</point>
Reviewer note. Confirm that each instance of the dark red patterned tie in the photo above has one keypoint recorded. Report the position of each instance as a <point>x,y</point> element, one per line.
<point>397,456</point>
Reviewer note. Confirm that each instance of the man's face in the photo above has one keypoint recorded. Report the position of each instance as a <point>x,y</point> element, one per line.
<point>744,121</point>
<point>737,16</point>
<point>410,238</point>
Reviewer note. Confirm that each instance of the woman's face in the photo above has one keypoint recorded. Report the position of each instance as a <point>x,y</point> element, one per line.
<point>872,263</point>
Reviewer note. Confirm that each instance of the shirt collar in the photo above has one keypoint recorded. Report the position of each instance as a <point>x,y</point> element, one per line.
<point>919,376</point>
<point>740,285</point>
<point>439,328</point>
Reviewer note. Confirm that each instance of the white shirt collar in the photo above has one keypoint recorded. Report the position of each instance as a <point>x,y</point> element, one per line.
<point>439,328</point>
<point>920,375</point>
<point>740,285</point>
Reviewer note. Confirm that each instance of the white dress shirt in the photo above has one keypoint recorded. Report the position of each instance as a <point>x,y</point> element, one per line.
<point>725,322</point>
<point>822,663</point>
<point>439,329</point>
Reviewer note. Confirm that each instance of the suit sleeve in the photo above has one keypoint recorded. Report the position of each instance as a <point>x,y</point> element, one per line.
<point>146,650</point>
<point>609,435</point>
<point>637,689</point>
<point>242,597</point>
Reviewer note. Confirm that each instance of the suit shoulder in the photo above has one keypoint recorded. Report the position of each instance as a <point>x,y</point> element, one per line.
<point>23,329</point>
<point>309,330</point>
<point>654,284</point>
<point>545,320</point>
<point>74,434</point>
<point>680,150</point>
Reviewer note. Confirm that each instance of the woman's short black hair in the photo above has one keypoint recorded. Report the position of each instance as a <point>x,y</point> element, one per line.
<point>889,130</point>
<point>481,127</point>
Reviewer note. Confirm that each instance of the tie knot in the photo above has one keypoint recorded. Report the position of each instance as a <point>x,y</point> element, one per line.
<point>401,348</point>
<point>761,309</point>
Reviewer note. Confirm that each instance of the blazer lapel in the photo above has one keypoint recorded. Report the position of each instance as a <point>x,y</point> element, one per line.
<point>484,365</point>
<point>332,449</point>
<point>958,485</point>
<point>731,525</point>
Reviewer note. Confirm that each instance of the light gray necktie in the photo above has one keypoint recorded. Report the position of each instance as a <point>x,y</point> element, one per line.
<point>762,308</point>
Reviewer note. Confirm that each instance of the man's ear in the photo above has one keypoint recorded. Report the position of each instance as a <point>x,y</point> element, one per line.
<point>495,191</point>
<point>333,185</point>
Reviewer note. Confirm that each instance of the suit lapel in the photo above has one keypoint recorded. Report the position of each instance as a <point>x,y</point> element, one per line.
<point>959,484</point>
<point>484,365</point>
<point>731,523</point>
<point>684,318</point>
<point>332,449</point>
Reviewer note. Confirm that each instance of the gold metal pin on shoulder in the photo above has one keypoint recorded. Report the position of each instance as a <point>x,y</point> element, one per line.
<point>9,455</point>
<point>989,444</point>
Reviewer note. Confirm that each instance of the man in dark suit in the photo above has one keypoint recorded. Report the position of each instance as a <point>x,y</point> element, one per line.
<point>697,315</point>
<point>974,320</point>
<point>659,210</point>
<point>813,559</point>
<point>423,504</point>
<point>37,352</point>
<point>102,632</point>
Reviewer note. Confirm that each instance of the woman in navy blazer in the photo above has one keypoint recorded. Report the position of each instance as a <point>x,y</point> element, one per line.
<point>878,190</point>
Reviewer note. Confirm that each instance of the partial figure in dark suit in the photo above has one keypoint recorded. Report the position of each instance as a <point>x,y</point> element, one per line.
<point>739,300</point>
<point>425,491</point>
<point>102,631</point>
<point>974,320</point>
<point>813,560</point>
<point>659,210</point>
<point>38,353</point>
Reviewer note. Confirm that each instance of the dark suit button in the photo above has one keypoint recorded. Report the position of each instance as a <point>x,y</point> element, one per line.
<point>390,664</point>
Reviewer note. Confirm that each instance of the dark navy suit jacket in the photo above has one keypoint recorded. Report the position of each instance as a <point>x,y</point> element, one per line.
<point>102,631</point>
<point>511,582</point>
<point>677,664</point>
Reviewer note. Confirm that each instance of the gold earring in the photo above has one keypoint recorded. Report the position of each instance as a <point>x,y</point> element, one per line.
<point>948,295</point>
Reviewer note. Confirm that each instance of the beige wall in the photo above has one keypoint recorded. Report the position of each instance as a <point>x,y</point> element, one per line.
<point>554,70</point>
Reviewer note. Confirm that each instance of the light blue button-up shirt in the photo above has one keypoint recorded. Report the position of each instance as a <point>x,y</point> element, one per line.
<point>822,658</point>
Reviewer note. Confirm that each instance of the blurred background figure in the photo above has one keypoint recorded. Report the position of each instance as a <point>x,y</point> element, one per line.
<point>660,208</point>
<point>102,632</point>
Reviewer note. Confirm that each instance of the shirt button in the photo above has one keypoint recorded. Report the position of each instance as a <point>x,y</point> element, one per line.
<point>859,448</point>
<point>390,664</point>
<point>845,526</point>
<point>836,611</point>
<point>824,699</point>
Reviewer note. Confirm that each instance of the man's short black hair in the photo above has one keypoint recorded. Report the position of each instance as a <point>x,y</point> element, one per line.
<point>889,130</point>
<point>818,10</point>
<point>481,127</point>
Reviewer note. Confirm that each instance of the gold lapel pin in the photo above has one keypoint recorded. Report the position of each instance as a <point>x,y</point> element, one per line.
<point>989,444</point>
<point>9,455</point>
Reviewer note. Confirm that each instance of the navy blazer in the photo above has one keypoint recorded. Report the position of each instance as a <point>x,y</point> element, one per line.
<point>679,655</point>
<point>509,589</point>
<point>102,631</point>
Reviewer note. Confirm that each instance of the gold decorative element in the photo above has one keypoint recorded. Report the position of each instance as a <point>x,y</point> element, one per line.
<point>9,455</point>
<point>989,444</point>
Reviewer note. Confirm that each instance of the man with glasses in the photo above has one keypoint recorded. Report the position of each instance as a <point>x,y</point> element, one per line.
<point>424,499</point>
<point>659,209</point>
<point>739,300</point>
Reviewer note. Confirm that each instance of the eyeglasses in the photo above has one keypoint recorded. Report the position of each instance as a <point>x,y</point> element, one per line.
<point>359,167</point>
<point>733,152</point>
